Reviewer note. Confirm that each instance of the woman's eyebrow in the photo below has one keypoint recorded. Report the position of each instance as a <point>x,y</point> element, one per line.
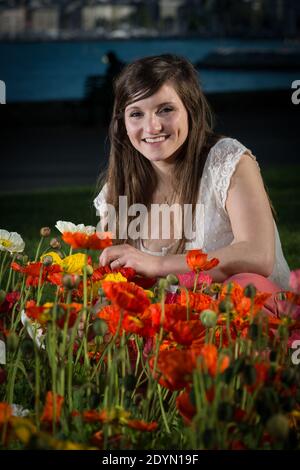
<point>158,106</point>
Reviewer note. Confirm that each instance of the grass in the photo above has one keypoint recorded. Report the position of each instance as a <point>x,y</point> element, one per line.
<point>26,213</point>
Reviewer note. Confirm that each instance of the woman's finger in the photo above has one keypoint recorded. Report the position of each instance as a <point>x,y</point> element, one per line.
<point>118,263</point>
<point>109,254</point>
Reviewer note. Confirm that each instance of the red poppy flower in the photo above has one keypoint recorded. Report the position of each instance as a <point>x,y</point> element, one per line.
<point>175,367</point>
<point>197,261</point>
<point>48,412</point>
<point>185,406</point>
<point>101,271</point>
<point>95,241</point>
<point>185,332</point>
<point>38,272</point>
<point>126,295</point>
<point>42,313</point>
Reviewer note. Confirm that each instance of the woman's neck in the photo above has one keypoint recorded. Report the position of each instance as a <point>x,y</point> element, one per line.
<point>164,174</point>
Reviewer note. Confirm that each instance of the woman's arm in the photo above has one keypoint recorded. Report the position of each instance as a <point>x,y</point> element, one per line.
<point>253,246</point>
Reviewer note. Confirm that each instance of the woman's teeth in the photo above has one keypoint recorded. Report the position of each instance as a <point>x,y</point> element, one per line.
<point>155,139</point>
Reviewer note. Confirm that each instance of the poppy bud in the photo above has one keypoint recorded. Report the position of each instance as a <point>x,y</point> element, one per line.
<point>250,291</point>
<point>12,341</point>
<point>55,243</point>
<point>225,305</point>
<point>99,327</point>
<point>89,269</point>
<point>208,318</point>
<point>2,296</point>
<point>278,427</point>
<point>47,260</point>
<point>172,279</point>
<point>163,284</point>
<point>45,232</point>
<point>71,281</point>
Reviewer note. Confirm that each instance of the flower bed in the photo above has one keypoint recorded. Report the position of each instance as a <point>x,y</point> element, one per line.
<point>92,358</point>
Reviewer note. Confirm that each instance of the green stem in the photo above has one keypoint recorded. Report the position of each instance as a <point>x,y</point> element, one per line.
<point>2,264</point>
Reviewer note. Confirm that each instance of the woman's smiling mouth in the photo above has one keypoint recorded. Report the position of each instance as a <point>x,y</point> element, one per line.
<point>156,140</point>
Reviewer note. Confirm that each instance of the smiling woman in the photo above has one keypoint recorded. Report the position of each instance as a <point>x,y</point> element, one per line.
<point>157,128</point>
<point>163,148</point>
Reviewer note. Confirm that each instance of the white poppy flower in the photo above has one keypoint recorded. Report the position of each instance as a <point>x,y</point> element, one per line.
<point>63,226</point>
<point>11,241</point>
<point>34,330</point>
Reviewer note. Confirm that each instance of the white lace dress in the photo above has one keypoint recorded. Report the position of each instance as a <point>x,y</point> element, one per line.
<point>216,231</point>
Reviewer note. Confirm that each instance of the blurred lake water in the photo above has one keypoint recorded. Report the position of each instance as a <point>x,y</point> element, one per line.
<point>58,70</point>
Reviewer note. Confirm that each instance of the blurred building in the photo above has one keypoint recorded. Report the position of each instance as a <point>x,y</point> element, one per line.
<point>12,21</point>
<point>169,15</point>
<point>45,20</point>
<point>105,14</point>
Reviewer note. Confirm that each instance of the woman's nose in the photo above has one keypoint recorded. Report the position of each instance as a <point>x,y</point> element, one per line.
<point>153,124</point>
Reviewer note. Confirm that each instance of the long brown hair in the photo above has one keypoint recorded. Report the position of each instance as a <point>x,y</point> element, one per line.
<point>129,172</point>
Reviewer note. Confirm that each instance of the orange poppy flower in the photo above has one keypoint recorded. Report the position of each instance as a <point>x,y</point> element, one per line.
<point>111,314</point>
<point>95,241</point>
<point>209,353</point>
<point>197,261</point>
<point>142,425</point>
<point>175,367</point>
<point>172,314</point>
<point>195,300</point>
<point>126,295</point>
<point>5,412</point>
<point>48,412</point>
<point>241,304</point>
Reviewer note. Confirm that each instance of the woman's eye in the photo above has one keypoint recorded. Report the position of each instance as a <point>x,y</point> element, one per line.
<point>135,114</point>
<point>166,110</point>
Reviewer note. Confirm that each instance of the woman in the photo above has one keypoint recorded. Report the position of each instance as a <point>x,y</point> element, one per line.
<point>163,150</point>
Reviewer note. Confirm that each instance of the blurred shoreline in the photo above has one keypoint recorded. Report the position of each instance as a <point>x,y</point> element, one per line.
<point>53,144</point>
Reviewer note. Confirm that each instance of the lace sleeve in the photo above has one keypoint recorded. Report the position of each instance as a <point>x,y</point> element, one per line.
<point>224,157</point>
<point>100,200</point>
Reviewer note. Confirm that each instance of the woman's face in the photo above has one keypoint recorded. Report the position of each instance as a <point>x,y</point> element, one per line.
<point>157,126</point>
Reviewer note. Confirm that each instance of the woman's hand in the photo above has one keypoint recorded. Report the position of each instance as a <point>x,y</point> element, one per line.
<point>127,256</point>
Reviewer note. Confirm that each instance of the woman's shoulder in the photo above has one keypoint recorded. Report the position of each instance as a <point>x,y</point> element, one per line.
<point>227,150</point>
<point>221,164</point>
